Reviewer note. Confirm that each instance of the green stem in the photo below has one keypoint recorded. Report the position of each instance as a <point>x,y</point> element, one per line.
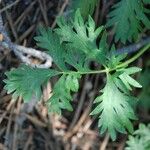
<point>134,57</point>
<point>84,72</point>
<point>124,64</point>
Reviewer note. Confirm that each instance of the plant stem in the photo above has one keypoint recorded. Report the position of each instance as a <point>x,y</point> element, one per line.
<point>134,57</point>
<point>124,64</point>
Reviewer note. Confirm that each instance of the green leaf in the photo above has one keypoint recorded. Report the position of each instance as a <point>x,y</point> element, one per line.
<point>146,1</point>
<point>82,37</point>
<point>144,97</point>
<point>127,16</point>
<point>126,79</point>
<point>86,7</point>
<point>130,80</point>
<point>140,140</point>
<point>134,144</point>
<point>114,60</point>
<point>26,81</point>
<point>72,82</point>
<point>50,42</point>
<point>61,97</point>
<point>121,86</point>
<point>114,110</point>
<point>131,70</point>
<point>76,59</point>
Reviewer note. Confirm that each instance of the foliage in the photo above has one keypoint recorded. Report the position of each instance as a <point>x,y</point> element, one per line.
<point>86,7</point>
<point>115,99</point>
<point>146,1</point>
<point>82,37</point>
<point>73,45</point>
<point>61,93</point>
<point>144,97</point>
<point>50,42</point>
<point>140,140</point>
<point>26,81</point>
<point>120,111</point>
<point>128,17</point>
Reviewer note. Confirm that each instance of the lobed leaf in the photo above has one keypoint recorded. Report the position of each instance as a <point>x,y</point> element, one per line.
<point>61,96</point>
<point>50,42</point>
<point>114,110</point>
<point>140,140</point>
<point>82,37</point>
<point>26,81</point>
<point>127,16</point>
<point>86,7</point>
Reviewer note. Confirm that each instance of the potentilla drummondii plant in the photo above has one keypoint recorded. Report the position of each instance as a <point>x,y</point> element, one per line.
<point>73,45</point>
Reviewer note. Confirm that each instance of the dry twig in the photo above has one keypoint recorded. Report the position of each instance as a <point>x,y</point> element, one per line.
<point>21,51</point>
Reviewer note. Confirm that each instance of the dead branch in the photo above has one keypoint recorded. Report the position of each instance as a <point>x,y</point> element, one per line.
<point>22,52</point>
